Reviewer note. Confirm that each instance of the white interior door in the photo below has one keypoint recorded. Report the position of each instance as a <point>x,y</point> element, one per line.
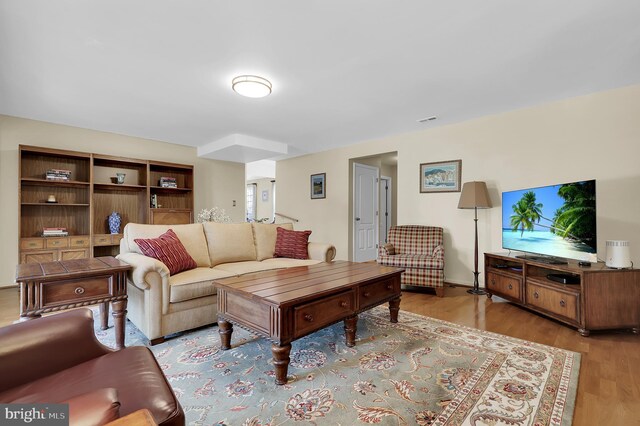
<point>385,208</point>
<point>365,212</point>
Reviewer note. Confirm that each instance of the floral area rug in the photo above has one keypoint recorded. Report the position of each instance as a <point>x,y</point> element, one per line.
<point>420,371</point>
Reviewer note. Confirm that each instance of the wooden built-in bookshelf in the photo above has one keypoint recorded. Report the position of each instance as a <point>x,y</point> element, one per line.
<point>85,201</point>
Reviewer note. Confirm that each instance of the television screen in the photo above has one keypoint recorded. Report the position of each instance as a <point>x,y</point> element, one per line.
<point>555,220</point>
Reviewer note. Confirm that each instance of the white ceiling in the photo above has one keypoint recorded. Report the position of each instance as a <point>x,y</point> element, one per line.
<point>342,71</point>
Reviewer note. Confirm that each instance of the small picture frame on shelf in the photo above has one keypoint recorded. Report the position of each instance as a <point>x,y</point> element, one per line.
<point>318,186</point>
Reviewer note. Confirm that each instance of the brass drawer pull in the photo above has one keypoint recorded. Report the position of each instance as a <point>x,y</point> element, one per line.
<point>33,244</point>
<point>563,303</point>
<point>55,243</point>
<point>510,286</point>
<point>78,290</point>
<point>493,281</point>
<point>535,294</point>
<point>343,304</point>
<point>366,294</point>
<point>389,287</point>
<point>308,317</point>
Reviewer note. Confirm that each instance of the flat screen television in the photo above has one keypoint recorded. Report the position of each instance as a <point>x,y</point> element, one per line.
<point>555,220</point>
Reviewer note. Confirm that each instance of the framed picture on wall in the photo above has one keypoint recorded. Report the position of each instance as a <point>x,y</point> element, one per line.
<point>318,186</point>
<point>265,195</point>
<point>441,176</point>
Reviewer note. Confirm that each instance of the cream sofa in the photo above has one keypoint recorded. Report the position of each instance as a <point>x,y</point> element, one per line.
<point>161,304</point>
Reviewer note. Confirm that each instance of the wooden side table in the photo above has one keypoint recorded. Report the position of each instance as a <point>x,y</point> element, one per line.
<point>137,418</point>
<point>55,286</point>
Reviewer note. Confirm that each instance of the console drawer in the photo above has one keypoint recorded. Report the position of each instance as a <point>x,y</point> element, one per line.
<point>561,303</point>
<point>372,294</point>
<point>31,243</point>
<point>504,286</point>
<point>75,290</point>
<point>316,315</point>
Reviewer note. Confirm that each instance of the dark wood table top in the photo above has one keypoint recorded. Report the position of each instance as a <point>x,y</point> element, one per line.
<point>29,271</point>
<point>298,284</point>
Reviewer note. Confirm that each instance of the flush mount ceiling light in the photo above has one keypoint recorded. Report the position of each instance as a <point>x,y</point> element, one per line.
<point>251,86</point>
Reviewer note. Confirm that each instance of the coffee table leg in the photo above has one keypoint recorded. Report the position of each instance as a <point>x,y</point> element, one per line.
<point>104,315</point>
<point>394,307</point>
<point>119,308</point>
<point>281,361</point>
<point>225,329</point>
<point>350,327</point>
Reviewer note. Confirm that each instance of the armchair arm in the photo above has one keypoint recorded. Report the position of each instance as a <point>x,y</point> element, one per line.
<point>321,251</point>
<point>438,252</point>
<point>37,348</point>
<point>98,407</point>
<point>387,249</point>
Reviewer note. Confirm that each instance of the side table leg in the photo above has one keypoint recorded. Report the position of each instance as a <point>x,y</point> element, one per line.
<point>104,315</point>
<point>119,308</point>
<point>281,361</point>
<point>394,307</point>
<point>225,329</point>
<point>350,328</point>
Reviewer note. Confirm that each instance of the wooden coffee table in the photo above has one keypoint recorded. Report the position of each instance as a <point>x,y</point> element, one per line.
<point>55,286</point>
<point>287,304</point>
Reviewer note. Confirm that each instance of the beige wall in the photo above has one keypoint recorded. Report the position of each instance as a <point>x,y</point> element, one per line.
<point>217,183</point>
<point>595,136</point>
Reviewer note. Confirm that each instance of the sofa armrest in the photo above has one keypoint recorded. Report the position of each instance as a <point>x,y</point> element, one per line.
<point>321,251</point>
<point>40,347</point>
<point>438,252</point>
<point>97,407</point>
<point>143,265</point>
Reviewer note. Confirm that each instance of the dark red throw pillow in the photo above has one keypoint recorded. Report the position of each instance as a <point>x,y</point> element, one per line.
<point>168,249</point>
<point>292,244</point>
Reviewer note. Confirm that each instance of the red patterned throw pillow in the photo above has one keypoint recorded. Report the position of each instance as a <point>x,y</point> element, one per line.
<point>292,244</point>
<point>168,249</point>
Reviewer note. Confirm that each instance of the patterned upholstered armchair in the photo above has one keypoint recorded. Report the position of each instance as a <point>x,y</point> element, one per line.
<point>418,249</point>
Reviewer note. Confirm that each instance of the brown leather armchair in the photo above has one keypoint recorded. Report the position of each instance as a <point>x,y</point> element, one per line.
<point>57,359</point>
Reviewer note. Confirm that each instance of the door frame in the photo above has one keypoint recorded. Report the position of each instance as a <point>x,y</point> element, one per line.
<point>389,205</point>
<point>376,228</point>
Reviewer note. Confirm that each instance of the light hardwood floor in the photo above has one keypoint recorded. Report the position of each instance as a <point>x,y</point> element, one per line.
<point>609,386</point>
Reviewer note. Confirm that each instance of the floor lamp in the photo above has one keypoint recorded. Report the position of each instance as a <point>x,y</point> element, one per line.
<point>475,196</point>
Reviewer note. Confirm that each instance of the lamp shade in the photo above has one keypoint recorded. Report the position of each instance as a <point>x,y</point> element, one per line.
<point>474,195</point>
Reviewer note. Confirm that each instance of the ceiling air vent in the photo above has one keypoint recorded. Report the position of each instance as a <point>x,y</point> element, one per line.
<point>424,120</point>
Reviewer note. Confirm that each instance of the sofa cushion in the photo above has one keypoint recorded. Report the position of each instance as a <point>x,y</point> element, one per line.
<point>190,235</point>
<point>133,371</point>
<point>264,236</point>
<point>292,244</point>
<point>246,267</point>
<point>168,249</point>
<point>229,242</point>
<point>413,261</point>
<point>283,262</point>
<point>195,283</point>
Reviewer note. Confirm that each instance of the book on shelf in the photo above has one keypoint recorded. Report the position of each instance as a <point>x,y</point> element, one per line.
<point>58,174</point>
<point>168,182</point>
<point>55,234</point>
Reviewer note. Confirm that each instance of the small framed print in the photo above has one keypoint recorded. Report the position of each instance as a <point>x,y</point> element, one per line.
<point>265,195</point>
<point>318,186</point>
<point>441,176</point>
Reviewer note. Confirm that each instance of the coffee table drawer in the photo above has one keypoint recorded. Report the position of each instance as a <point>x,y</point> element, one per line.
<point>75,290</point>
<point>372,294</point>
<point>316,315</point>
